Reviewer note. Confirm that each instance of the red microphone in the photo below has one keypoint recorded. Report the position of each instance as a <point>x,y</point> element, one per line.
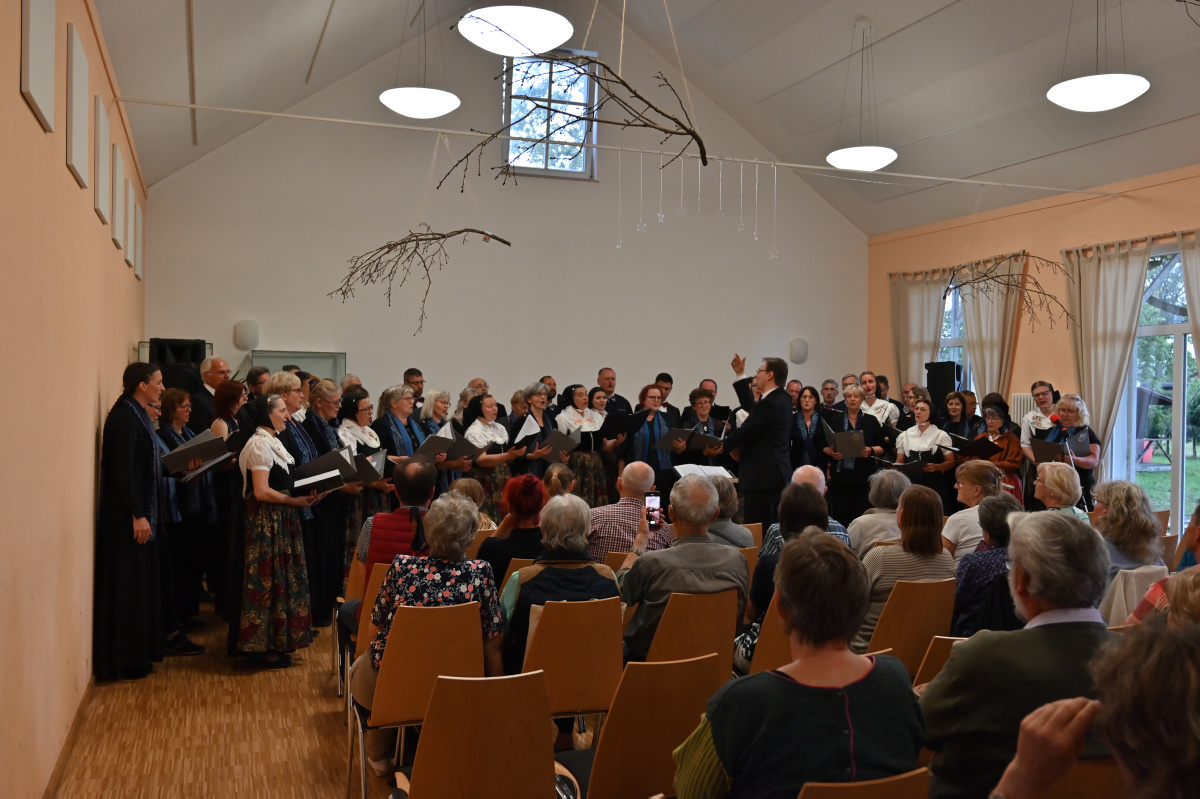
<point>1054,418</point>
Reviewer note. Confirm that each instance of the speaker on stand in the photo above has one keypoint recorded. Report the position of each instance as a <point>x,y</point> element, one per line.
<point>179,359</point>
<point>941,378</point>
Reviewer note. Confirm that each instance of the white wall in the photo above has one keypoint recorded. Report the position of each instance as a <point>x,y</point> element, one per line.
<point>261,229</point>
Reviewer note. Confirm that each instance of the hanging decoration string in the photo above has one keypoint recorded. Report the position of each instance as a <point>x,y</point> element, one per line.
<point>721,188</point>
<point>620,241</point>
<point>679,60</point>
<point>699,178</point>
<point>661,216</point>
<point>591,19</point>
<point>774,253</point>
<point>621,51</point>
<point>641,192</point>
<point>756,202</point>
<point>682,208</point>
<point>741,197</point>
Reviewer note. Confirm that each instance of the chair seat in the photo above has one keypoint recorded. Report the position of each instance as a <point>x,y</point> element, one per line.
<point>579,763</point>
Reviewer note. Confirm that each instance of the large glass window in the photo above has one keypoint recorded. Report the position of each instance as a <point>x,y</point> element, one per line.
<point>953,345</point>
<point>546,96</point>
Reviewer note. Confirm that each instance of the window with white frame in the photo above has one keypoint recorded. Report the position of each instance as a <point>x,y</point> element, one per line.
<point>546,102</point>
<point>953,344</point>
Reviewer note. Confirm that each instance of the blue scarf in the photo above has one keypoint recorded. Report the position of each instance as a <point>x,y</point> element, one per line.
<point>153,496</point>
<point>171,505</point>
<point>641,442</point>
<point>308,452</point>
<point>807,433</point>
<point>400,440</point>
<point>848,463</point>
<point>327,432</point>
<point>200,493</point>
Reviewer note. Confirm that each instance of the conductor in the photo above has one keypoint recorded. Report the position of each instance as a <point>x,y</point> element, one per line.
<point>763,438</point>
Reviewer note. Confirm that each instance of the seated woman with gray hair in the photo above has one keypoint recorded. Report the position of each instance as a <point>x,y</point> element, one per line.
<point>563,572</point>
<point>1132,533</point>
<point>879,522</point>
<point>443,578</point>
<point>1057,487</point>
<point>723,530</point>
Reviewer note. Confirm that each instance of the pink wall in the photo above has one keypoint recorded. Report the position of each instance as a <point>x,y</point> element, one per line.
<point>1149,205</point>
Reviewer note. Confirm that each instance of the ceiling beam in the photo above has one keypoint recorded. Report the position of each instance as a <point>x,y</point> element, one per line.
<point>320,39</point>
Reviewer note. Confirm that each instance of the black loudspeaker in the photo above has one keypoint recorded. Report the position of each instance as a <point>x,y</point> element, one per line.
<point>941,377</point>
<point>179,359</point>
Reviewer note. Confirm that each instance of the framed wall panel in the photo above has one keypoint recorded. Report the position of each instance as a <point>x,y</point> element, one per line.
<point>77,107</point>
<point>103,163</point>
<point>118,198</point>
<point>37,58</point>
<point>139,239</point>
<point>130,241</point>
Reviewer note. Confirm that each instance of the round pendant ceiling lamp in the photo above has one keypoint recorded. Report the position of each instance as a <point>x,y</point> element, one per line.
<point>515,31</point>
<point>1093,93</point>
<point>866,158</point>
<point>419,102</point>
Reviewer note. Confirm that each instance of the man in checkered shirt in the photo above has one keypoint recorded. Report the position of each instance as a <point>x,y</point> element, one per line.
<point>614,527</point>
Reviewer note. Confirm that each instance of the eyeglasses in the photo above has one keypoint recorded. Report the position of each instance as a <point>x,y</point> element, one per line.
<point>337,403</point>
<point>1042,394</point>
<point>187,407</point>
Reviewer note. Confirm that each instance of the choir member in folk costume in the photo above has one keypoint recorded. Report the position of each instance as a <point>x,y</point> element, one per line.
<point>491,467</point>
<point>577,420</point>
<point>355,432</point>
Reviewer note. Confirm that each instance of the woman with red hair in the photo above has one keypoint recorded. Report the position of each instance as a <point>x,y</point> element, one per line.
<point>520,534</point>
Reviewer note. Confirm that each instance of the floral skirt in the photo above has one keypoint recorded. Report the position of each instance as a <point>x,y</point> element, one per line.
<point>591,484</point>
<point>492,479</point>
<point>276,616</point>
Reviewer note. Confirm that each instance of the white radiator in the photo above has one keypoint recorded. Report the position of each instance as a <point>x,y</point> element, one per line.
<point>1019,405</point>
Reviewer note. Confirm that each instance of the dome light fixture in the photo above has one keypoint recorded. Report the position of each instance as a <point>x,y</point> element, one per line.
<point>867,158</point>
<point>1103,90</point>
<point>863,156</point>
<point>515,31</point>
<point>419,102</point>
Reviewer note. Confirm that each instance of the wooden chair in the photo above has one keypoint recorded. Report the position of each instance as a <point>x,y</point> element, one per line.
<point>613,560</point>
<point>366,629</point>
<point>693,625</point>
<point>1122,628</point>
<point>944,520</point>
<point>1170,543</point>
<point>514,565</point>
<point>774,649</point>
<point>1164,518</point>
<point>913,785</point>
<point>355,587</point>
<point>885,544</point>
<point>506,721</point>
<point>577,645</point>
<point>1091,779</point>
<point>657,706</point>
<point>424,643</point>
<point>915,612</point>
<point>935,658</point>
<point>477,542</point>
<point>751,556</point>
<point>756,531</point>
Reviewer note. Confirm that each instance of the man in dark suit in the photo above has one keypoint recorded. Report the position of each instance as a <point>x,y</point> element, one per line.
<point>764,463</point>
<point>606,378</point>
<point>214,372</point>
<point>974,707</point>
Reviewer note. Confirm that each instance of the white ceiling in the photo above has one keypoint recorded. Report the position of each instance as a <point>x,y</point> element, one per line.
<point>960,83</point>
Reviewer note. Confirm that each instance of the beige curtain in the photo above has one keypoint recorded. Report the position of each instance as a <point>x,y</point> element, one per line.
<point>991,320</point>
<point>917,307</point>
<point>1189,257</point>
<point>1104,296</point>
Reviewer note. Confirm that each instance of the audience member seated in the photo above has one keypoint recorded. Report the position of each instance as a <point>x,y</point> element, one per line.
<point>518,535</point>
<point>828,716</point>
<point>723,530</point>
<point>973,708</point>
<point>879,522</point>
<point>1140,680</point>
<point>1057,487</point>
<point>806,475</point>
<point>1157,599</point>
<point>472,490</point>
<point>801,510</point>
<point>691,565</point>
<point>443,578</point>
<point>919,558</point>
<point>563,572</point>
<point>614,527</point>
<point>978,571</point>
<point>1132,533</point>
<point>559,479</point>
<point>975,480</point>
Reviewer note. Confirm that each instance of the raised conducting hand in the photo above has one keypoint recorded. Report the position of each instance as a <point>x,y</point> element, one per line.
<point>739,365</point>
<point>1051,739</point>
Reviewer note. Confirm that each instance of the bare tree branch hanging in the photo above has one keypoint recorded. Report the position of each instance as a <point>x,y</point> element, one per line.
<point>1037,304</point>
<point>560,124</point>
<point>422,250</point>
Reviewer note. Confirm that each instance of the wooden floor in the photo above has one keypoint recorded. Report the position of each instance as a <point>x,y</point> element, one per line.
<point>215,726</point>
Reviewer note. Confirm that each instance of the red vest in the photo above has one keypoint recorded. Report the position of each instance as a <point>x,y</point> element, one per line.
<point>391,535</point>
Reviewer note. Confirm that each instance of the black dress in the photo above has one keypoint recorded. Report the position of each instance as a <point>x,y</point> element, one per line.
<point>186,534</point>
<point>329,535</point>
<point>128,627</point>
<point>523,465</point>
<point>227,497</point>
<point>848,487</point>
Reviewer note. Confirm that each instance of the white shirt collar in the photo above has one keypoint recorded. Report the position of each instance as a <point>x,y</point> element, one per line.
<point>1065,615</point>
<point>211,390</point>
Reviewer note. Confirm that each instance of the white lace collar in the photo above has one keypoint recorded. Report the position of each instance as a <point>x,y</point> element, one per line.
<point>279,452</point>
<point>358,434</point>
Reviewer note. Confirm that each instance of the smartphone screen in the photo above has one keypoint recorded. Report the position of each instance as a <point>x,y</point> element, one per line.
<point>653,508</point>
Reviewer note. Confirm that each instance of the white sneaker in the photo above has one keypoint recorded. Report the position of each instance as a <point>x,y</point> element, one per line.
<point>382,768</point>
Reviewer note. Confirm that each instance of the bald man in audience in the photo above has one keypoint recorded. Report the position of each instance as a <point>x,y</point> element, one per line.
<point>974,707</point>
<point>213,371</point>
<point>691,565</point>
<point>810,475</point>
<point>614,527</point>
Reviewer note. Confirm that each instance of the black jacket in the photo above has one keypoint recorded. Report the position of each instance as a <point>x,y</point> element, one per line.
<point>763,439</point>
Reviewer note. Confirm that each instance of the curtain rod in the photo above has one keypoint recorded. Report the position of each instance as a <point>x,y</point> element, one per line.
<point>609,147</point>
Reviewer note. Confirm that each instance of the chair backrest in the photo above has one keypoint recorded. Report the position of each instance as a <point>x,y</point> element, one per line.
<point>477,542</point>
<point>1164,518</point>
<point>1091,779</point>
<point>756,531</point>
<point>578,647</point>
<point>656,708</point>
<point>356,583</point>
<point>366,629</point>
<point>945,519</point>
<point>1126,591</point>
<point>424,644</point>
<point>885,544</point>
<point>1170,543</point>
<point>935,658</point>
<point>751,556</point>
<point>514,565</point>
<point>505,722</point>
<point>915,612</point>
<point>613,560</point>
<point>774,648</point>
<point>912,785</point>
<point>697,624</point>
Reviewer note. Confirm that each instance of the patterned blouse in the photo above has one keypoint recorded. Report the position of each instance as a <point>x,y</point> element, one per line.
<point>430,583</point>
